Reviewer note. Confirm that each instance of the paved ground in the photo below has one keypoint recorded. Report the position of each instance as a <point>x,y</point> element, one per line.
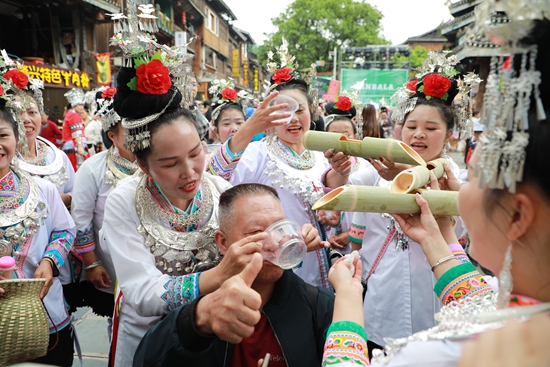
<point>92,335</point>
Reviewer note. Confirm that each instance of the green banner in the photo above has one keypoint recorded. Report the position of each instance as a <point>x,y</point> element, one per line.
<point>379,83</point>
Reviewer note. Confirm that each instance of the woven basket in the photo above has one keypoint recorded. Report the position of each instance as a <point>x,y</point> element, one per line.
<point>24,331</point>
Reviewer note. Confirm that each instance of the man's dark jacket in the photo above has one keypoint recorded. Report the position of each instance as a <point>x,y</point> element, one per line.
<point>174,341</point>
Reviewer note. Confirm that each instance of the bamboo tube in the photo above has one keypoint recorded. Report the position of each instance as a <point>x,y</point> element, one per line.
<point>414,178</point>
<point>390,149</point>
<point>370,199</point>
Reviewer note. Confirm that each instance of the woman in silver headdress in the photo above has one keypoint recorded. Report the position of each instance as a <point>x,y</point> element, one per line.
<point>94,181</point>
<point>37,230</point>
<point>505,206</point>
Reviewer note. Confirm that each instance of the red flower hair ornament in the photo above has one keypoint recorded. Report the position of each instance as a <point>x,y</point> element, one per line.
<point>343,103</point>
<point>18,78</point>
<point>282,75</point>
<point>153,78</point>
<point>435,86</point>
<point>109,92</point>
<point>229,94</point>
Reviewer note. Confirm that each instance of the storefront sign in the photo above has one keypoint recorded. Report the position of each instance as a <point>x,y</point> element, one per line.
<point>245,72</point>
<point>103,66</point>
<point>56,77</point>
<point>256,80</point>
<point>235,71</point>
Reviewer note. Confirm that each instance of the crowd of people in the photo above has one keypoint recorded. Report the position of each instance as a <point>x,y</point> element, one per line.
<point>154,212</point>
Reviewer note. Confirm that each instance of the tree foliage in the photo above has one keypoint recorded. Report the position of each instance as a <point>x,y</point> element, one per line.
<point>418,55</point>
<point>314,27</point>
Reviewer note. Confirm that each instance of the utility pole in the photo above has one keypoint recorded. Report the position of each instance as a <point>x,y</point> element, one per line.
<point>335,58</point>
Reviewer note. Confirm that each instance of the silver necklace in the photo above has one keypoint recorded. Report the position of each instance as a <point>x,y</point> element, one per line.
<point>178,252</point>
<point>54,172</point>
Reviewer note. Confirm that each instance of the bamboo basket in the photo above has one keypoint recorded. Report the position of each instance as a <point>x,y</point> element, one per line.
<point>390,149</point>
<point>24,331</point>
<point>414,178</point>
<point>370,199</point>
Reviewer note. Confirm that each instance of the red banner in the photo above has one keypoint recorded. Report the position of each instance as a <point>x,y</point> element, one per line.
<point>103,67</point>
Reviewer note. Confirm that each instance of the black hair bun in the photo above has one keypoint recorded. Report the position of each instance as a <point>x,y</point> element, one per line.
<point>134,105</point>
<point>3,104</point>
<point>333,110</point>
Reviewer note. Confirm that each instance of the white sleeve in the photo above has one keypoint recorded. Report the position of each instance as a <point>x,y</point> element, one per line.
<point>68,186</point>
<point>142,284</point>
<point>82,206</point>
<point>251,166</point>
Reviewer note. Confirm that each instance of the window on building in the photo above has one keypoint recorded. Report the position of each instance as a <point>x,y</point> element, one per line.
<point>211,21</point>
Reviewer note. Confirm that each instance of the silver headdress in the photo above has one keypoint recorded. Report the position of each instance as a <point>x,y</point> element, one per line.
<point>287,69</point>
<point>109,117</point>
<point>223,92</point>
<point>443,64</point>
<point>14,80</point>
<point>509,91</point>
<point>76,96</point>
<point>134,35</point>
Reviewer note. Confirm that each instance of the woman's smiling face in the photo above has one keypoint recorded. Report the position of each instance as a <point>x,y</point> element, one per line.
<point>426,132</point>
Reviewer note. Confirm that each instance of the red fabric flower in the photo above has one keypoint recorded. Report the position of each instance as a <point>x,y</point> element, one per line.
<point>411,85</point>
<point>507,65</point>
<point>153,78</point>
<point>436,85</point>
<point>344,103</point>
<point>282,75</point>
<point>18,78</point>
<point>109,92</point>
<point>230,94</point>
<point>1,90</point>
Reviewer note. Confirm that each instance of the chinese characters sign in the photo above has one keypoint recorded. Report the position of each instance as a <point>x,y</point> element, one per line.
<point>235,71</point>
<point>256,80</point>
<point>245,73</point>
<point>56,77</point>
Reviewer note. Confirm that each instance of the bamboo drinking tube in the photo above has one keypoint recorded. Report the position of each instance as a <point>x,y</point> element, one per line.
<point>390,149</point>
<point>411,179</point>
<point>381,200</point>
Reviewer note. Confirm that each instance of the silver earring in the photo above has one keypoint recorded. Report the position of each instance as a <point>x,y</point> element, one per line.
<point>505,281</point>
<point>444,151</point>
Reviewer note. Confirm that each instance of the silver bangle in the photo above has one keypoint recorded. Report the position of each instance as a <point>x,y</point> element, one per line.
<point>94,265</point>
<point>441,261</point>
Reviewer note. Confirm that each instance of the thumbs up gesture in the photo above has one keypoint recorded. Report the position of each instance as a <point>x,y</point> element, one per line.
<point>232,311</point>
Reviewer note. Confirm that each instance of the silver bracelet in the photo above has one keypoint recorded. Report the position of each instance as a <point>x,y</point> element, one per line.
<point>441,261</point>
<point>94,265</point>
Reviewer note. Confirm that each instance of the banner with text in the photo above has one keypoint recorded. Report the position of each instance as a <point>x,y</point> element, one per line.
<point>380,83</point>
<point>103,67</point>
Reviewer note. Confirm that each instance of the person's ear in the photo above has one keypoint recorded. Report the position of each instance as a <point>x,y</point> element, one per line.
<point>111,135</point>
<point>523,212</point>
<point>221,241</point>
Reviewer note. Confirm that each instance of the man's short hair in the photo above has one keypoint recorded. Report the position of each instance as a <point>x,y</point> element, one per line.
<point>226,210</point>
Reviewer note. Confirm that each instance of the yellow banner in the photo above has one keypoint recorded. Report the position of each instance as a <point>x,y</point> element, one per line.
<point>245,72</point>
<point>235,71</point>
<point>103,66</point>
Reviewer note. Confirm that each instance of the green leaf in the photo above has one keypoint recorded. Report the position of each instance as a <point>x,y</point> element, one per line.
<point>156,56</point>
<point>421,88</point>
<point>138,62</point>
<point>428,97</point>
<point>132,84</point>
<point>445,96</point>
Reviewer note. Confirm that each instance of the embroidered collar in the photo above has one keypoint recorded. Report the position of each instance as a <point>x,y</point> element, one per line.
<point>303,161</point>
<point>118,167</point>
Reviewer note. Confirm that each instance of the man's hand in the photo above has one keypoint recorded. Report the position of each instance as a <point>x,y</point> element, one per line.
<point>312,239</point>
<point>240,254</point>
<point>232,311</point>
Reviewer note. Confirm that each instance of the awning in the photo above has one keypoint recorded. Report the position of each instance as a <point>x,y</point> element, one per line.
<point>107,5</point>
